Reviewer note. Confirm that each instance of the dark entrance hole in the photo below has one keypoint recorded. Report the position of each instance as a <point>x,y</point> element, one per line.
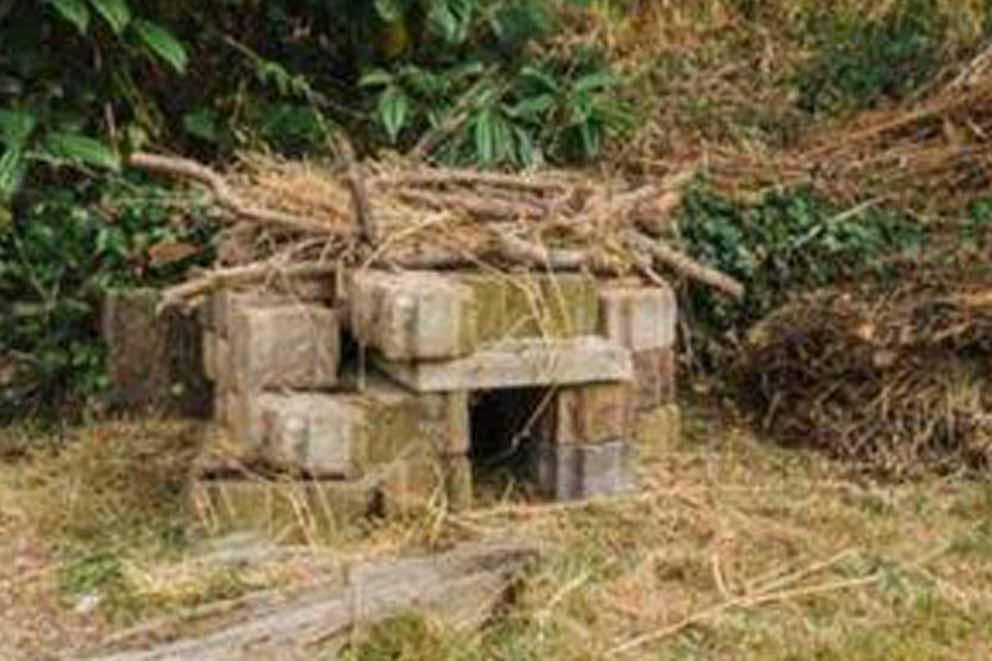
<point>504,424</point>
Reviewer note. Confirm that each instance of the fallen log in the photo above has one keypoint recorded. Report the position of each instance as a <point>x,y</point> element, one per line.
<point>461,585</point>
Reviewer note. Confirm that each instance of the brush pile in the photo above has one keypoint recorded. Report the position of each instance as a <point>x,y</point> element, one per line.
<point>930,155</point>
<point>304,218</point>
<point>898,380</point>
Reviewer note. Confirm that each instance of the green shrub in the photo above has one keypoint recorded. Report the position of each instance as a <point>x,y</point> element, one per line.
<point>861,64</point>
<point>64,250</point>
<point>791,241</point>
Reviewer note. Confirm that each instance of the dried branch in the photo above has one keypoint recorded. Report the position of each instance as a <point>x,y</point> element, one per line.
<point>684,265</point>
<point>186,168</point>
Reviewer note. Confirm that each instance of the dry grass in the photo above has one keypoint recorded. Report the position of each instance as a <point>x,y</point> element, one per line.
<point>733,548</point>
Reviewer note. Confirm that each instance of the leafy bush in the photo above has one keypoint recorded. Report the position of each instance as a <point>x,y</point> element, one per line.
<point>862,63</point>
<point>66,248</point>
<point>791,241</point>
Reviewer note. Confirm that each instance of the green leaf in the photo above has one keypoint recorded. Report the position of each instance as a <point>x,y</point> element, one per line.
<point>74,11</point>
<point>389,10</point>
<point>162,43</point>
<point>11,174</point>
<point>394,107</point>
<point>595,81</point>
<point>16,126</point>
<point>115,12</point>
<point>202,124</point>
<point>81,149</point>
<point>533,107</point>
<point>485,138</point>
<point>376,78</point>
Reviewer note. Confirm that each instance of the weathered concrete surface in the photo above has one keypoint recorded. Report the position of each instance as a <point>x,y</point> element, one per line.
<point>638,318</point>
<point>155,362</point>
<point>416,483</point>
<point>288,346</point>
<point>319,434</point>
<point>576,472</point>
<point>658,431</point>
<point>216,312</point>
<point>413,315</point>
<point>588,414</point>
<point>654,377</point>
<point>299,511</point>
<point>349,434</point>
<point>518,363</point>
<point>520,306</point>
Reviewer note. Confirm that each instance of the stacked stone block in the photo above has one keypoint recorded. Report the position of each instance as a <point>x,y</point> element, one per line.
<point>396,424</point>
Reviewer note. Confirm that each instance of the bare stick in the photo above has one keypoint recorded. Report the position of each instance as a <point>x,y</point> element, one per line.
<point>359,195</point>
<point>182,167</point>
<point>685,265</point>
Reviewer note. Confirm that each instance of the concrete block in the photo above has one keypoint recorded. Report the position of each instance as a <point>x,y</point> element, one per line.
<point>321,435</point>
<point>349,434</point>
<point>293,512</point>
<point>576,472</point>
<point>658,431</point>
<point>154,361</point>
<point>526,306</point>
<point>415,484</point>
<point>291,346</point>
<point>210,362</point>
<point>223,302</point>
<point>245,420</point>
<point>654,377</point>
<point>413,315</point>
<point>638,318</point>
<point>588,414</point>
<point>518,363</point>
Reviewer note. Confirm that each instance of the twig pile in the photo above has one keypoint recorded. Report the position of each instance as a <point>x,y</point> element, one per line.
<point>933,155</point>
<point>898,380</point>
<point>402,215</point>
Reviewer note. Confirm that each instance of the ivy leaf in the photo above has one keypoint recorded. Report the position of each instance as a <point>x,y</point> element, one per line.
<point>81,149</point>
<point>16,126</point>
<point>115,12</point>
<point>394,107</point>
<point>162,43</point>
<point>202,124</point>
<point>74,11</point>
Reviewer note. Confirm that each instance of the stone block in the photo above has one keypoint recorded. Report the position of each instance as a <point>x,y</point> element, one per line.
<point>222,303</point>
<point>349,434</point>
<point>654,377</point>
<point>518,363</point>
<point>289,346</point>
<point>576,472</point>
<point>638,318</point>
<point>319,434</point>
<point>415,484</point>
<point>588,414</point>
<point>293,512</point>
<point>154,361</point>
<point>413,315</point>
<point>659,430</point>
<point>245,420</point>
<point>526,306</point>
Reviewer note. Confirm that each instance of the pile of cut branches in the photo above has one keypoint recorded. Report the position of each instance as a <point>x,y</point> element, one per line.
<point>934,154</point>
<point>307,218</point>
<point>899,380</point>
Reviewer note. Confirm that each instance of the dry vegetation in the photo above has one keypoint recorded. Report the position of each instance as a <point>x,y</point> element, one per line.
<point>732,549</point>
